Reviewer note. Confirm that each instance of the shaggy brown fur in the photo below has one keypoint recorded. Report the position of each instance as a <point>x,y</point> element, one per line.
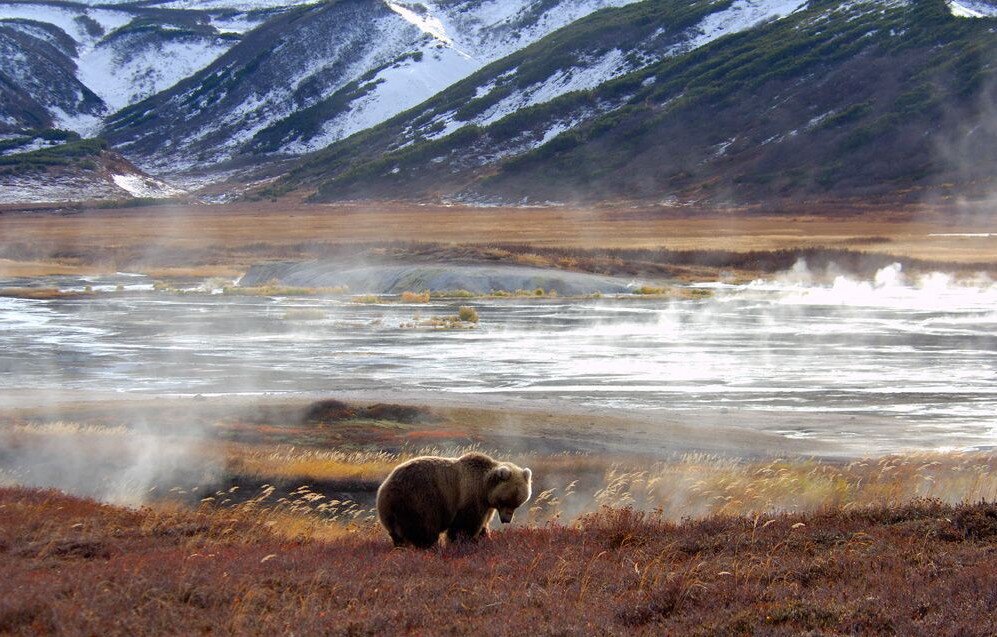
<point>426,496</point>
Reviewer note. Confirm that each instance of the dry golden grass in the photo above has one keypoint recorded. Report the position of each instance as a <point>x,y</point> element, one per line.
<point>209,241</point>
<point>206,271</point>
<point>303,464</point>
<point>695,485</point>
<point>367,299</point>
<point>40,294</point>
<point>352,452</point>
<point>698,544</point>
<point>26,269</point>
<point>708,485</point>
<point>415,297</point>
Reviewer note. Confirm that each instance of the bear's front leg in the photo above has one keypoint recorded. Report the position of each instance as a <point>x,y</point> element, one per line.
<point>468,526</point>
<point>483,532</point>
<point>461,534</point>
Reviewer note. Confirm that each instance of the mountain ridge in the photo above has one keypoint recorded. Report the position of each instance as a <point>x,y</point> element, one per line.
<point>836,86</point>
<point>532,101</point>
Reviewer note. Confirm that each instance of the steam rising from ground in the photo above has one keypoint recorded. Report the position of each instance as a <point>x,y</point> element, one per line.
<point>890,288</point>
<point>896,362</point>
<point>125,466</point>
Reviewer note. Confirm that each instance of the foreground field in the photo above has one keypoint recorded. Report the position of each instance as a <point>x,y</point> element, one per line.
<point>76,567</point>
<point>258,520</point>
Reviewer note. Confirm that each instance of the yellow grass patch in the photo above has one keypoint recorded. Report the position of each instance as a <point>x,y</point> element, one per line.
<point>39,294</point>
<point>415,297</point>
<point>10,268</point>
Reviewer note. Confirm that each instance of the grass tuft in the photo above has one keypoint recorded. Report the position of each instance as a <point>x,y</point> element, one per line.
<point>467,314</point>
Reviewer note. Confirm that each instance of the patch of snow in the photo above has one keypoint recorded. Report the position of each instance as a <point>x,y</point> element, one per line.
<point>500,30</point>
<point>31,29</point>
<point>35,144</point>
<point>586,75</point>
<point>62,17</point>
<point>971,9</point>
<point>238,5</point>
<point>241,23</point>
<point>428,24</point>
<point>481,91</point>
<point>121,73</point>
<point>721,149</point>
<point>739,16</point>
<point>52,189</point>
<point>815,121</point>
<point>143,186</point>
<point>86,124</point>
<point>556,129</point>
<point>399,88</point>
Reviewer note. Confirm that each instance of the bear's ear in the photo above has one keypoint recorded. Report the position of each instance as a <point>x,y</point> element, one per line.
<point>503,473</point>
<point>527,473</point>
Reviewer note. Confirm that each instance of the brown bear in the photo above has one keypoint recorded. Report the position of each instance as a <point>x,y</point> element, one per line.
<point>425,496</point>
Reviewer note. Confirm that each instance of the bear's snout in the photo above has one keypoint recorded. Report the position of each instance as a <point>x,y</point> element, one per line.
<point>505,516</point>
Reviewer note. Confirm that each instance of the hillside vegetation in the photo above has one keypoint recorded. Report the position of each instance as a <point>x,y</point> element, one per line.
<point>869,98</point>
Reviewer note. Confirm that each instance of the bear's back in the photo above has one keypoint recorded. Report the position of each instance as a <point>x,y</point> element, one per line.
<point>426,477</point>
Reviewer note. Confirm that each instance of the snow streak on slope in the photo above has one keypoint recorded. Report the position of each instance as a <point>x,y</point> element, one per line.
<point>971,9</point>
<point>405,83</point>
<point>588,72</point>
<point>741,15</point>
<point>341,68</point>
<point>144,186</point>
<point>463,41</point>
<point>238,5</point>
<point>122,74</point>
<point>121,54</point>
<point>65,18</point>
<point>84,124</point>
<point>430,25</point>
<point>87,186</point>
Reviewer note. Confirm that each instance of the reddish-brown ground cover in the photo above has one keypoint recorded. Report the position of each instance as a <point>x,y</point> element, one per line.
<point>72,566</point>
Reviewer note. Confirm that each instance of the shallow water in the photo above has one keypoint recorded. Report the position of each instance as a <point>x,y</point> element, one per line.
<point>919,353</point>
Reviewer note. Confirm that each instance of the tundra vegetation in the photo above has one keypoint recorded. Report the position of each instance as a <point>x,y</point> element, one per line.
<point>281,535</point>
<point>75,566</point>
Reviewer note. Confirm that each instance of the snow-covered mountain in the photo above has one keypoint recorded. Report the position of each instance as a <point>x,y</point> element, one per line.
<point>482,100</point>
<point>68,65</point>
<point>743,100</point>
<point>323,72</point>
<point>586,60</point>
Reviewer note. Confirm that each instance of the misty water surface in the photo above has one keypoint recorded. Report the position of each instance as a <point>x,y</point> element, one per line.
<point>921,353</point>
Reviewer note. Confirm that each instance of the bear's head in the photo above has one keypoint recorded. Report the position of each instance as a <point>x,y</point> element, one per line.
<point>509,487</point>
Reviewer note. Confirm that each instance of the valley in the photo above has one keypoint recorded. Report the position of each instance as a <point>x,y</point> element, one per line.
<point>721,273</point>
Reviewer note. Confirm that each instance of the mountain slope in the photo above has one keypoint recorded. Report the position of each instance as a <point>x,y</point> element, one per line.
<point>858,98</point>
<point>325,71</point>
<point>70,64</point>
<point>51,166</point>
